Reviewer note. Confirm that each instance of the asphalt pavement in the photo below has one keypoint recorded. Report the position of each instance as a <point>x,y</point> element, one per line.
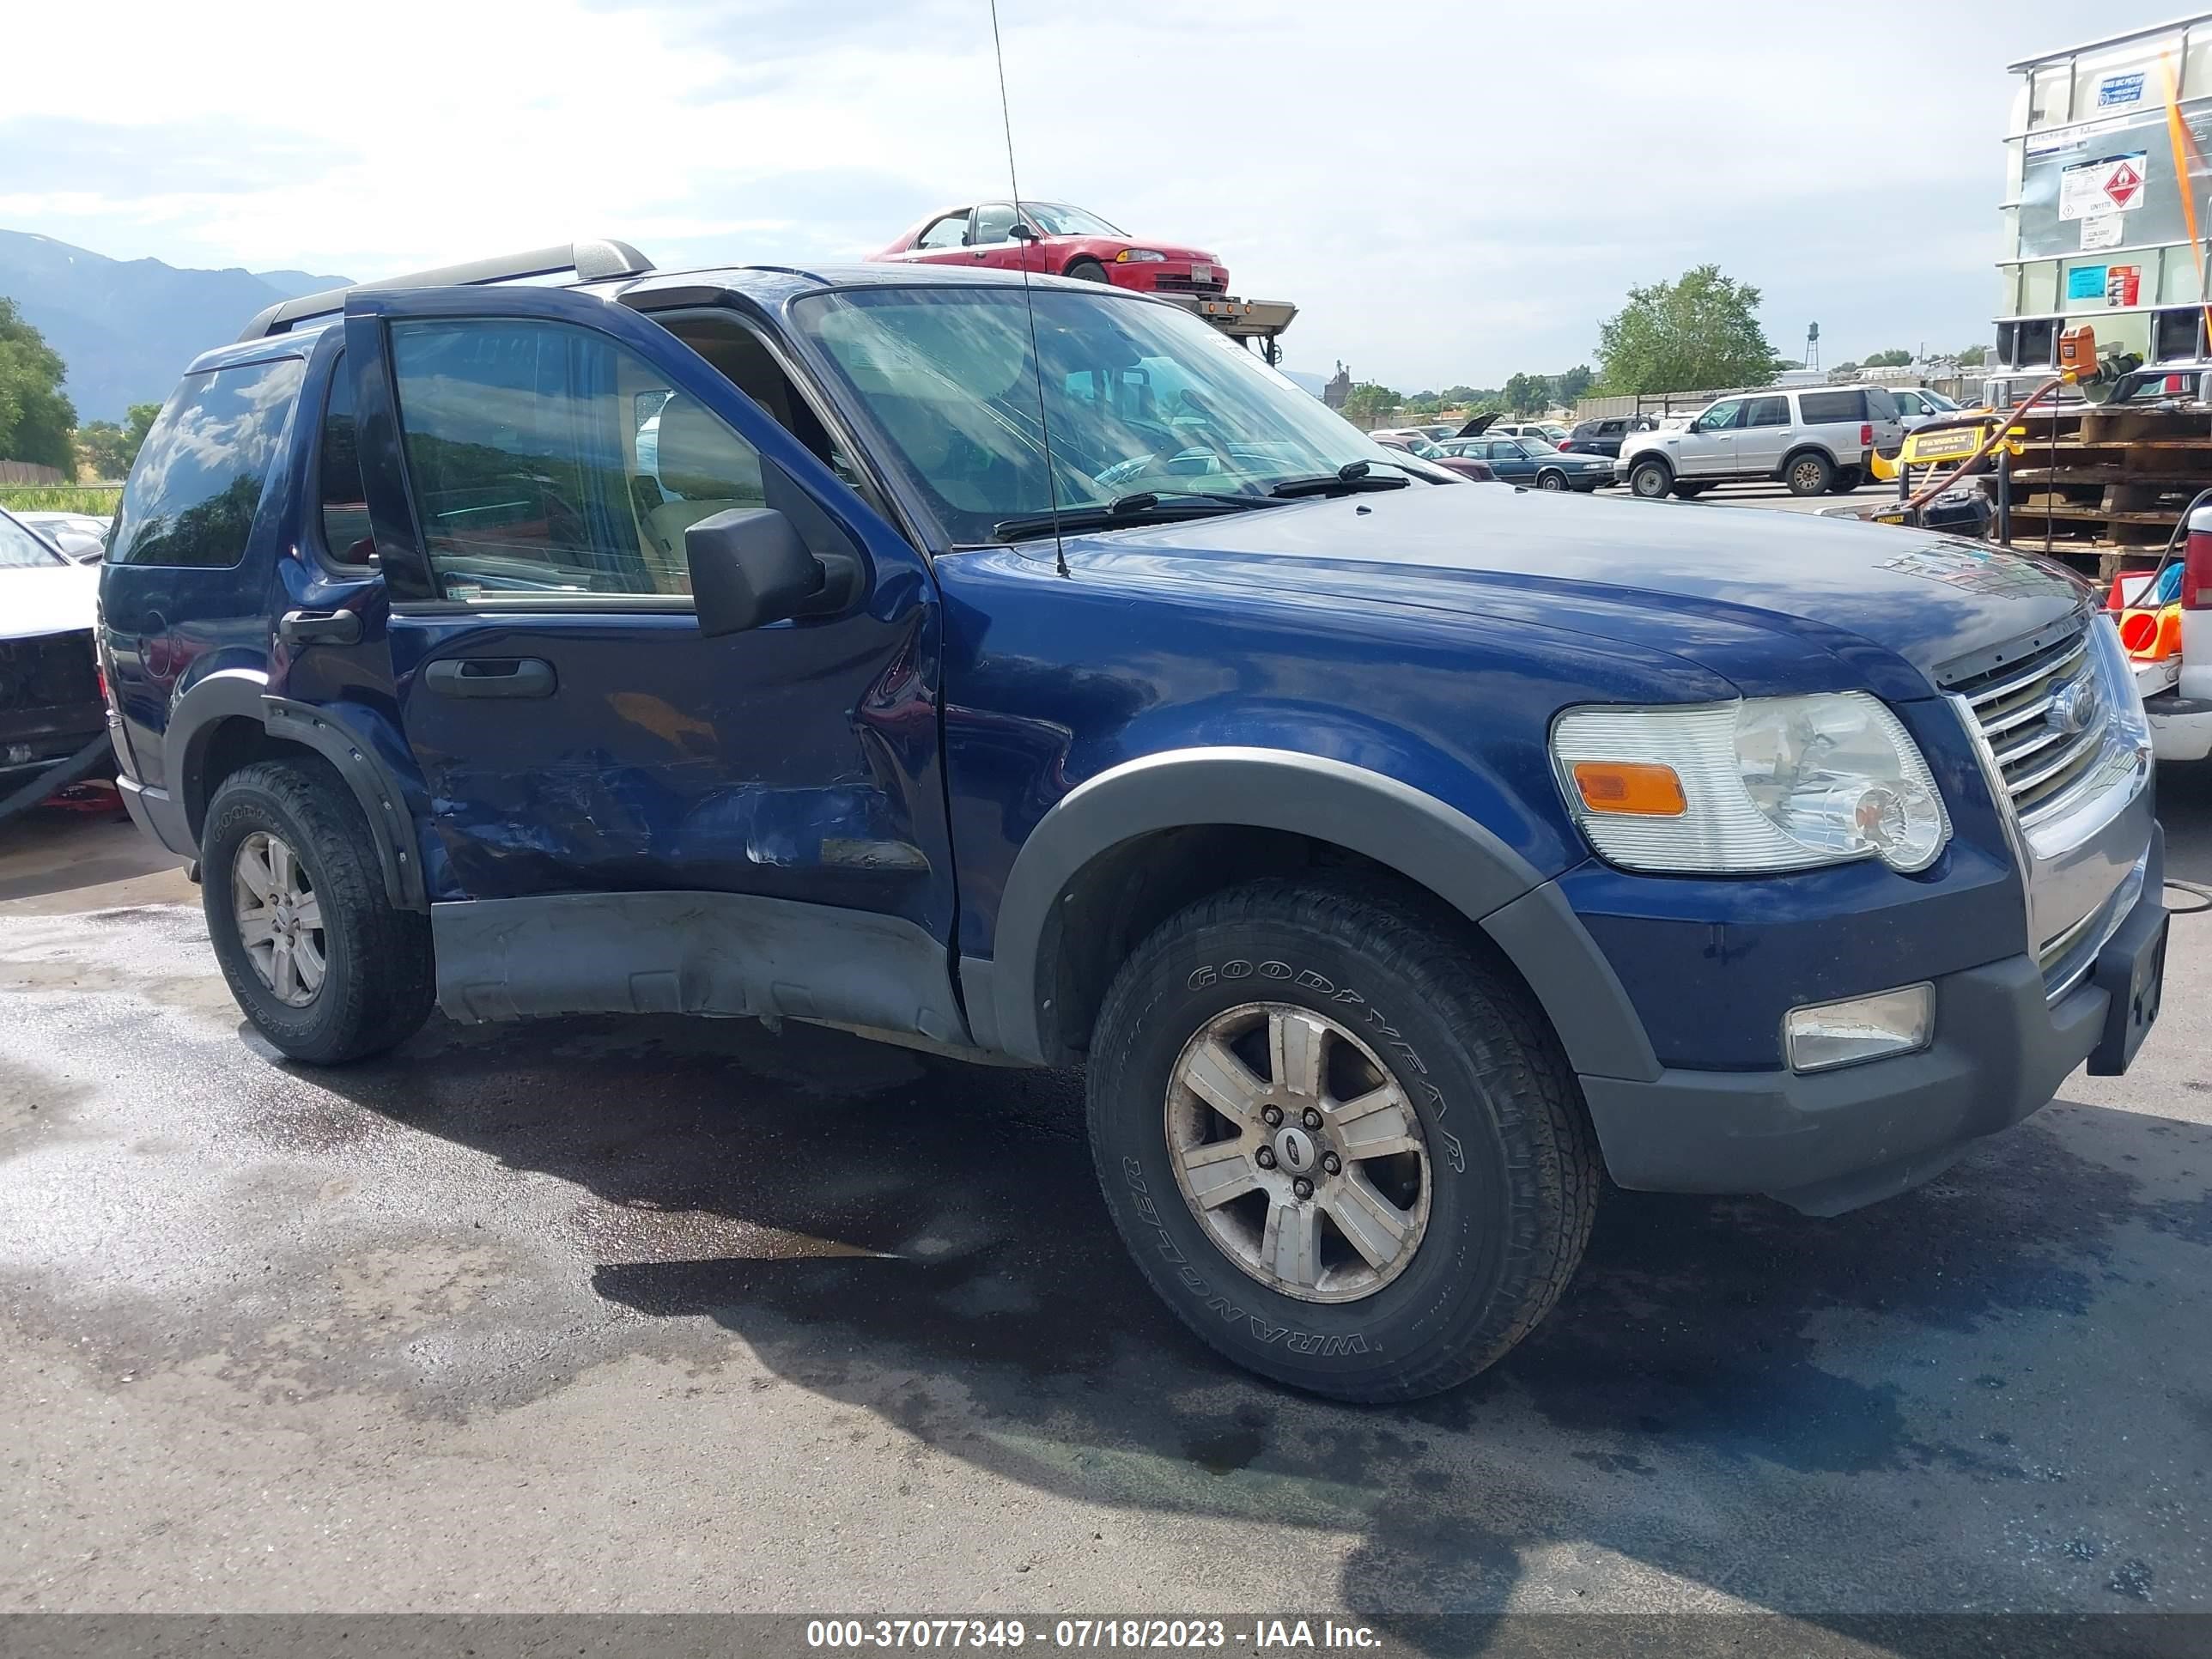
<point>657,1316</point>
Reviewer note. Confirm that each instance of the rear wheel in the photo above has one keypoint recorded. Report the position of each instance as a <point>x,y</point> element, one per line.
<point>320,960</point>
<point>1345,1151</point>
<point>1847,479</point>
<point>1088,270</point>
<point>1808,474</point>
<point>1651,479</point>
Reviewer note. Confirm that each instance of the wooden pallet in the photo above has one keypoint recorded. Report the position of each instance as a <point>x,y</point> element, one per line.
<point>2103,488</point>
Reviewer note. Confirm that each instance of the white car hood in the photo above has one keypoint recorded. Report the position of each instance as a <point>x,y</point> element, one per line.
<point>62,599</point>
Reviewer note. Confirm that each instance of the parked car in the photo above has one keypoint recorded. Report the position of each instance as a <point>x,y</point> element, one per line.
<point>1813,438</point>
<point>49,703</point>
<point>1401,858</point>
<point>1603,435</point>
<point>1531,460</point>
<point>1916,405</point>
<point>1058,240</point>
<point>1550,431</point>
<point>1436,455</point>
<point>80,536</point>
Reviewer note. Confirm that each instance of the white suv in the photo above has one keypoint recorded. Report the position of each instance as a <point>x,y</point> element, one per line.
<point>1814,439</point>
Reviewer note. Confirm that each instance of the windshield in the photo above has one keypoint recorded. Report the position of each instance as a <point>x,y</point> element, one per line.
<point>1058,219</point>
<point>1139,398</point>
<point>20,549</point>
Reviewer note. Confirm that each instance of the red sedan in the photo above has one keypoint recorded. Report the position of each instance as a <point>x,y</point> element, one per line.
<point>1058,240</point>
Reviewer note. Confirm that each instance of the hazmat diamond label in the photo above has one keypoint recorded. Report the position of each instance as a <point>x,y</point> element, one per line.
<point>2110,185</point>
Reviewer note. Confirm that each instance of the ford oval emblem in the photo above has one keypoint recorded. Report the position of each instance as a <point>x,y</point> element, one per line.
<point>2071,706</point>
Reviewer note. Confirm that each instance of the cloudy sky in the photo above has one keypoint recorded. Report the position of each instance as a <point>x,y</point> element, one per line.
<point>1450,191</point>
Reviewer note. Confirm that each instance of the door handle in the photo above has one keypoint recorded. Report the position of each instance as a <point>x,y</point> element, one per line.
<point>491,676</point>
<point>319,628</point>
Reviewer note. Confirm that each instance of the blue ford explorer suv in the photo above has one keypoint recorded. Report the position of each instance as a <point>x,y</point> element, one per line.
<point>1036,674</point>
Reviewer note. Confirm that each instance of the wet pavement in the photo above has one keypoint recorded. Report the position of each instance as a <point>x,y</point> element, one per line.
<point>659,1315</point>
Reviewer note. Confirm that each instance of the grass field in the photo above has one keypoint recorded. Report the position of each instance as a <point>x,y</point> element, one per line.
<point>99,500</point>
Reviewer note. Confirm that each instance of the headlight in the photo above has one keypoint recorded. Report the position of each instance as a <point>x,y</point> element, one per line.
<point>1139,256</point>
<point>1772,783</point>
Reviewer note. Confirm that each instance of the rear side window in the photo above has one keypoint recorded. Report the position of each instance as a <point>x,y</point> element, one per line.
<point>1883,407</point>
<point>197,482</point>
<point>1767,411</point>
<point>346,536</point>
<point>1829,408</point>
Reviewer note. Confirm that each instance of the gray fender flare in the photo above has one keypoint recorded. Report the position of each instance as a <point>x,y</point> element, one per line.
<point>243,693</point>
<point>1398,826</point>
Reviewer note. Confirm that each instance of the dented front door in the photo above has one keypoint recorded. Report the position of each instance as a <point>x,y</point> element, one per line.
<point>533,459</point>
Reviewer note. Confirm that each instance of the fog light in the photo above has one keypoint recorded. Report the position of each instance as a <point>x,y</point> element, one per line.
<point>1825,1034</point>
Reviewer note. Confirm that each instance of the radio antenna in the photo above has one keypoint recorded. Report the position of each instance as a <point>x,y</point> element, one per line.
<point>1029,303</point>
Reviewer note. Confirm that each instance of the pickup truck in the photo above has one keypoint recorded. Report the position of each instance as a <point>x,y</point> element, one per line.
<point>1018,669</point>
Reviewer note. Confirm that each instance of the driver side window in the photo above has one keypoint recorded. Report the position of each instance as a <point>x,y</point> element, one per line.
<point>995,223</point>
<point>539,470</point>
<point>951,231</point>
<point>1721,417</point>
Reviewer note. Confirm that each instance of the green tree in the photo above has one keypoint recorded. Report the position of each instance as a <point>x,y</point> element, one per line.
<point>1696,333</point>
<point>1369,402</point>
<point>1895,357</point>
<point>35,418</point>
<point>110,449</point>
<point>1973,356</point>
<point>1525,394</point>
<point>1846,367</point>
<point>1572,386</point>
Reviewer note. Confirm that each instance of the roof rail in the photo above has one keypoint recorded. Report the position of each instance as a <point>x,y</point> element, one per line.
<point>590,261</point>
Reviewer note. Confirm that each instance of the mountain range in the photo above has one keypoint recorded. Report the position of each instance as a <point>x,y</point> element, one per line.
<point>127,327</point>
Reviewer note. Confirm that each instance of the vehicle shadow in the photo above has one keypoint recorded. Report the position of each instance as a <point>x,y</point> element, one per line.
<point>1726,1383</point>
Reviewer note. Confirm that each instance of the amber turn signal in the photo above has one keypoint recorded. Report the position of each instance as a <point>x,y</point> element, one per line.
<point>1635,787</point>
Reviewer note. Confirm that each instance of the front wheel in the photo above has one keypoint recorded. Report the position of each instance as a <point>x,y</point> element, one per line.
<point>1847,479</point>
<point>1550,480</point>
<point>1651,479</point>
<point>1809,475</point>
<point>1089,270</point>
<point>1688,492</point>
<point>1345,1150</point>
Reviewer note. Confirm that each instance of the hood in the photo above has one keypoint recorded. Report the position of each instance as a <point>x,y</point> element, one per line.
<point>1478,425</point>
<point>60,599</point>
<point>1777,602</point>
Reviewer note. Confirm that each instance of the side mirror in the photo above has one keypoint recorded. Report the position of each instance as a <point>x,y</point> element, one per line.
<point>1018,232</point>
<point>749,567</point>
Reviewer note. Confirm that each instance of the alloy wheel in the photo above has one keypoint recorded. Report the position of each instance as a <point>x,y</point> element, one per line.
<point>279,918</point>
<point>1298,1152</point>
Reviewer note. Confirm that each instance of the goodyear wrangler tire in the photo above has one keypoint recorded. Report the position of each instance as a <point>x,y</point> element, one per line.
<point>1342,1145</point>
<point>320,960</point>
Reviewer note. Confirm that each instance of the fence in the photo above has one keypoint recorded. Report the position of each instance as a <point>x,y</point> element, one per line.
<point>1966,388</point>
<point>30,472</point>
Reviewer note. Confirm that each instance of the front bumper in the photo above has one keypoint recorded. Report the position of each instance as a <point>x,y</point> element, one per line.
<point>1177,276</point>
<point>1831,1141</point>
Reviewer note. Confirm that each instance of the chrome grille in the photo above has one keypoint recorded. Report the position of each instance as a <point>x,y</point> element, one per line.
<point>2043,717</point>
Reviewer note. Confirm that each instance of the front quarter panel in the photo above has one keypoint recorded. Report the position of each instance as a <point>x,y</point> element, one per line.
<point>1053,681</point>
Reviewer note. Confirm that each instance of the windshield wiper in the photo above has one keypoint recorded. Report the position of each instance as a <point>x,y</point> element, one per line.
<point>1146,507</point>
<point>1351,476</point>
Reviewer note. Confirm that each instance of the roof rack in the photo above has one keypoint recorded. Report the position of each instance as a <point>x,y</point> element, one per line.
<point>589,261</point>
